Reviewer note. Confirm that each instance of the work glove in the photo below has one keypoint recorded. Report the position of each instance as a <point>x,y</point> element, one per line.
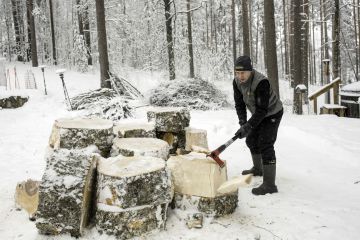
<point>242,122</point>
<point>244,131</point>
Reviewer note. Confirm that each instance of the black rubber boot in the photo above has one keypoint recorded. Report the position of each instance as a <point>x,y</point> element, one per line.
<point>256,170</point>
<point>268,185</point>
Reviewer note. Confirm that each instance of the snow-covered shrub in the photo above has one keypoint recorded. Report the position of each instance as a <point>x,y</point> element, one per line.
<point>192,93</point>
<point>103,103</point>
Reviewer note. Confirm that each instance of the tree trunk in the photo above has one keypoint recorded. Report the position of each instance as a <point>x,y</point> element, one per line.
<point>86,23</point>
<point>270,45</point>
<point>102,44</point>
<point>305,42</point>
<point>291,41</point>
<point>233,28</point>
<point>52,32</point>
<point>313,48</point>
<point>33,46</point>
<point>80,18</point>
<point>285,40</point>
<point>190,43</point>
<point>322,42</point>
<point>336,40</point>
<point>356,41</point>
<point>245,24</point>
<point>17,28</point>
<point>297,56</point>
<point>169,40</point>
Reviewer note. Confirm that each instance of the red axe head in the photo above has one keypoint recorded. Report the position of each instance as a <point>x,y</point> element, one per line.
<point>215,155</point>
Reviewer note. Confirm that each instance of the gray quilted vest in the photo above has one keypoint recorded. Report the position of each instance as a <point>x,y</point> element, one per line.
<point>248,91</point>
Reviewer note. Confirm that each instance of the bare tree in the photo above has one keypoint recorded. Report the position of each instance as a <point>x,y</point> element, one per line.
<point>246,31</point>
<point>31,28</point>
<point>233,28</point>
<point>270,45</point>
<point>190,40</point>
<point>336,40</point>
<point>102,44</point>
<point>169,39</point>
<point>52,32</point>
<point>297,106</point>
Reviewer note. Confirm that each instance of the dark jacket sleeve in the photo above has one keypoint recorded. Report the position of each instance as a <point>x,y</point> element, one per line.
<point>239,105</point>
<point>262,96</point>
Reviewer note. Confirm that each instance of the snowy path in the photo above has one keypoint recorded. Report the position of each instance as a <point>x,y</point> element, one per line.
<point>318,173</point>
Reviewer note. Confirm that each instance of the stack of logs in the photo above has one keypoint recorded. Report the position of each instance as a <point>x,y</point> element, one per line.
<point>121,177</point>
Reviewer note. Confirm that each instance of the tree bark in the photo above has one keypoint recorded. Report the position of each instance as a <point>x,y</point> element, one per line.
<point>102,44</point>
<point>336,40</point>
<point>245,23</point>
<point>285,40</point>
<point>270,45</point>
<point>52,32</point>
<point>305,42</point>
<point>33,46</point>
<point>190,40</point>
<point>233,28</point>
<point>297,57</point>
<point>86,23</point>
<point>356,41</point>
<point>17,28</point>
<point>169,40</point>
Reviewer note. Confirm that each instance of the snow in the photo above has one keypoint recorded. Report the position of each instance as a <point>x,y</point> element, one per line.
<point>335,106</point>
<point>121,166</point>
<point>84,123</point>
<point>318,170</point>
<point>353,87</point>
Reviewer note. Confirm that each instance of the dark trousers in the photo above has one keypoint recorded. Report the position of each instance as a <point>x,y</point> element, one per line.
<point>262,138</point>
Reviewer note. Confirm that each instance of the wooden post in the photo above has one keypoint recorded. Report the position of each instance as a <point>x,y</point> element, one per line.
<point>336,93</point>
<point>315,105</point>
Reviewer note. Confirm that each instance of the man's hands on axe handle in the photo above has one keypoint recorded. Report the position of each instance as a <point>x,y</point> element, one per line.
<point>244,131</point>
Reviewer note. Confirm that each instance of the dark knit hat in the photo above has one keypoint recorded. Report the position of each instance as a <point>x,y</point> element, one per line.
<point>243,63</point>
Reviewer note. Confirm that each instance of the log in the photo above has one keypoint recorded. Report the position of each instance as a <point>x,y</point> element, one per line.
<point>150,147</point>
<point>175,140</point>
<point>169,119</point>
<point>194,174</point>
<point>195,138</point>
<point>81,133</point>
<point>135,130</point>
<point>128,182</point>
<point>125,224</point>
<point>66,191</point>
<point>211,206</point>
<point>132,196</point>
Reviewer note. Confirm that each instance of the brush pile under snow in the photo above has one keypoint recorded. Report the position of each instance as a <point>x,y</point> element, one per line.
<point>103,103</point>
<point>193,93</point>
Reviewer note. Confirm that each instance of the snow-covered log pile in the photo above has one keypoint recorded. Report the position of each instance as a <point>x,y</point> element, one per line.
<point>133,194</point>
<point>66,191</point>
<point>170,124</point>
<point>196,180</point>
<point>151,147</point>
<point>192,93</point>
<point>135,130</point>
<point>81,132</point>
<point>12,101</point>
<point>103,103</point>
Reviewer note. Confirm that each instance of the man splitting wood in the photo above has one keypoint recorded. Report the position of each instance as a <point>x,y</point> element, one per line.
<point>253,91</point>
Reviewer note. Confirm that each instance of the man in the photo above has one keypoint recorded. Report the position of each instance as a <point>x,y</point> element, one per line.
<point>253,90</point>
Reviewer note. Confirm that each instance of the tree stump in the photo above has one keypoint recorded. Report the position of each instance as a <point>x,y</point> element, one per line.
<point>128,182</point>
<point>66,191</point>
<point>195,137</point>
<point>135,130</point>
<point>196,180</point>
<point>169,119</point>
<point>132,196</point>
<point>175,140</point>
<point>151,147</point>
<point>212,206</point>
<point>81,133</point>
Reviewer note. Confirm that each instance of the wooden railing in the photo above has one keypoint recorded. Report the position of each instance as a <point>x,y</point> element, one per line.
<point>335,85</point>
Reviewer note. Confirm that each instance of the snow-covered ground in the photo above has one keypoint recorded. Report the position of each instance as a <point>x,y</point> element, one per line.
<point>318,173</point>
